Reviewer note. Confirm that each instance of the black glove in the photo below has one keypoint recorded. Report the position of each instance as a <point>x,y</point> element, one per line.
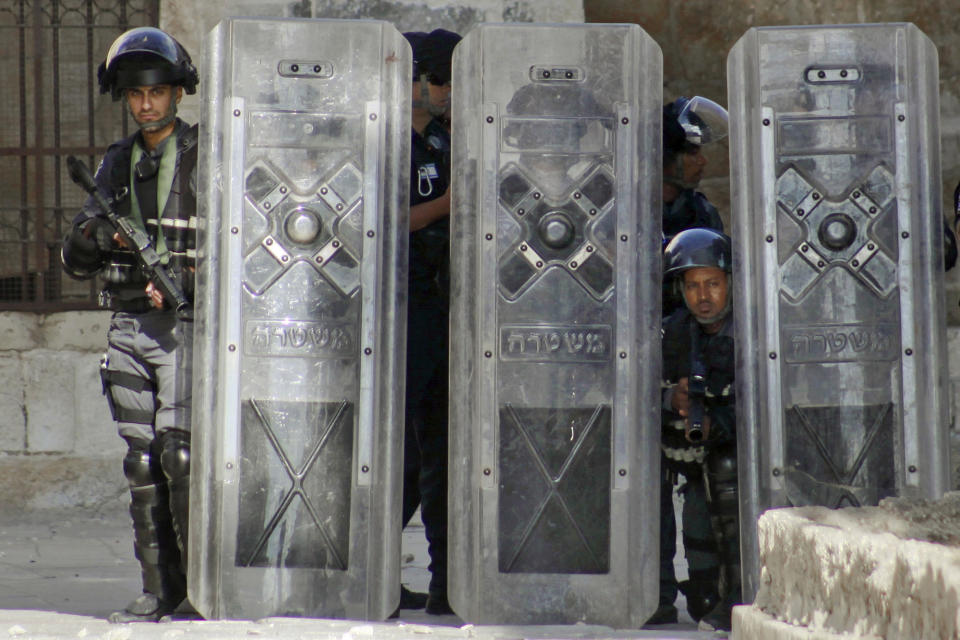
<point>85,249</point>
<point>100,232</point>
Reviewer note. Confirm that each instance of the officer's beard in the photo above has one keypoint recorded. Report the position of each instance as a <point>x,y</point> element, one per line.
<point>676,179</point>
<point>156,125</point>
<point>706,321</point>
<point>425,103</point>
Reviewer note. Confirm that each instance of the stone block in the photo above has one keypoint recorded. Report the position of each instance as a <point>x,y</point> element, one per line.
<point>750,623</point>
<point>74,331</point>
<point>18,331</point>
<point>12,420</point>
<point>49,401</point>
<point>34,483</point>
<point>96,432</point>
<point>891,571</point>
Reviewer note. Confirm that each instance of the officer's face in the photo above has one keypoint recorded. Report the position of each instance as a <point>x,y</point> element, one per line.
<point>439,95</point>
<point>705,291</point>
<point>688,167</point>
<point>153,102</point>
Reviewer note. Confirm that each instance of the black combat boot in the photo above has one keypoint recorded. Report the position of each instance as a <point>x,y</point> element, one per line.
<point>702,596</point>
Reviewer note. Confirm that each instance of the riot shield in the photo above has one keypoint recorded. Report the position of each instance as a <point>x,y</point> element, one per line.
<point>555,325</point>
<point>838,253</point>
<point>297,460</point>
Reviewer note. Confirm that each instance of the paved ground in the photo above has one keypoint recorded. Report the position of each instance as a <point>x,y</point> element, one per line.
<point>60,576</point>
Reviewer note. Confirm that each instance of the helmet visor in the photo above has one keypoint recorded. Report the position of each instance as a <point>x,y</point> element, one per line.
<point>703,121</point>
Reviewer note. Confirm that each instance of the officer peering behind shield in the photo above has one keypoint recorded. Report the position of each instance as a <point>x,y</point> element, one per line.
<point>149,179</point>
<point>698,437</point>
<point>688,125</point>
<point>426,420</point>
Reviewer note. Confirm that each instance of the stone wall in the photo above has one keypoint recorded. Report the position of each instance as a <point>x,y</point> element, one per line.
<point>58,444</point>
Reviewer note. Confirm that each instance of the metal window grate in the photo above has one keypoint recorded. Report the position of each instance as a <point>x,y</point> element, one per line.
<point>52,108</point>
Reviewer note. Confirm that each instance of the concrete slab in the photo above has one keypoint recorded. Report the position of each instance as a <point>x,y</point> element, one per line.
<point>73,331</point>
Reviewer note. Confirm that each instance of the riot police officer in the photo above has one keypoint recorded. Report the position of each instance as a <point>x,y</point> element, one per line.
<point>698,438</point>
<point>688,124</point>
<point>425,448</point>
<point>146,372</point>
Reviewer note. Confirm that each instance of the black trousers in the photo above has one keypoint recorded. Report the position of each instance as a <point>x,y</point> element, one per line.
<point>425,429</point>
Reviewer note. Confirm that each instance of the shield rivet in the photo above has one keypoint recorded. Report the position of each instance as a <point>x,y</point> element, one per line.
<point>556,230</point>
<point>303,226</point>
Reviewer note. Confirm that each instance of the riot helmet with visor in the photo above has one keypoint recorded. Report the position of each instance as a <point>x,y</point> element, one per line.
<point>146,56</point>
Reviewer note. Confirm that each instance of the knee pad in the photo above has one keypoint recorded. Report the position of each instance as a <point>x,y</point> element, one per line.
<point>175,454</point>
<point>140,465</point>
<point>720,473</point>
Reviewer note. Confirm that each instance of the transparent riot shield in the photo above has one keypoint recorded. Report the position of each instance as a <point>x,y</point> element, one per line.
<point>300,320</point>
<point>838,240</point>
<point>555,353</point>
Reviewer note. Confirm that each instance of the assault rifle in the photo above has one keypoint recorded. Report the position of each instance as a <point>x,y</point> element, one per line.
<point>137,240</point>
<point>697,387</point>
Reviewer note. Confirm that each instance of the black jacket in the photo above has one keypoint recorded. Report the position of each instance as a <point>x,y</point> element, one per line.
<point>716,353</point>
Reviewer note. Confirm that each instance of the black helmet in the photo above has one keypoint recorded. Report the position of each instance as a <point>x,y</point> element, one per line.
<point>689,123</point>
<point>697,248</point>
<point>433,54</point>
<point>146,56</point>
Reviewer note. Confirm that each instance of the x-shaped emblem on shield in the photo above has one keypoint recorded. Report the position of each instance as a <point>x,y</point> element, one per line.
<point>272,419</point>
<point>837,233</point>
<point>556,233</point>
<point>324,231</point>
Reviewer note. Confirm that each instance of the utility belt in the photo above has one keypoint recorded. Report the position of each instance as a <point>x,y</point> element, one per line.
<point>117,302</point>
